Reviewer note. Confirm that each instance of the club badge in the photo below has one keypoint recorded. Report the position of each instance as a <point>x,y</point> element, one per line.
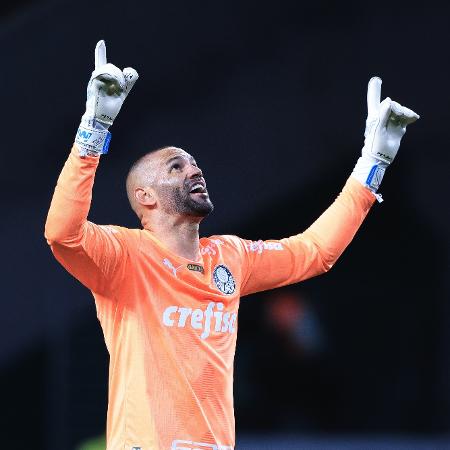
<point>224,280</point>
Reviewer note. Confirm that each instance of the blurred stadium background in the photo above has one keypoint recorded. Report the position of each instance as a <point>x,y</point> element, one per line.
<point>270,98</point>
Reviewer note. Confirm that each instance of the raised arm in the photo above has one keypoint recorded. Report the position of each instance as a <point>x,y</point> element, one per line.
<point>277,263</point>
<point>385,126</point>
<point>93,254</point>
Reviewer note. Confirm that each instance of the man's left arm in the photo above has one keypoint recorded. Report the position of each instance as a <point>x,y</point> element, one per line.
<point>272,264</point>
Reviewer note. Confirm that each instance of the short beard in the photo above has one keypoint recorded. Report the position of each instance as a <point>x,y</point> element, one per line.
<point>179,201</point>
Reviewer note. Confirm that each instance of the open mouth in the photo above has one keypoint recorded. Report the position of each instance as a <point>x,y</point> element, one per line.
<point>198,188</point>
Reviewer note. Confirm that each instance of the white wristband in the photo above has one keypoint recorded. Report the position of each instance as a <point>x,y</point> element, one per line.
<point>92,140</point>
<point>370,171</point>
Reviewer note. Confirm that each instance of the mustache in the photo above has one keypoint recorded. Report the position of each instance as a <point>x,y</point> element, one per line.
<point>188,183</point>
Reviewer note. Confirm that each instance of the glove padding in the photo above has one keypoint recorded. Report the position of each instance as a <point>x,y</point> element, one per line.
<point>385,126</point>
<point>107,89</point>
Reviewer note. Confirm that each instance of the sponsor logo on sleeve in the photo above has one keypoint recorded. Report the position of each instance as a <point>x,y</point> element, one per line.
<point>260,246</point>
<point>210,249</point>
<point>224,280</point>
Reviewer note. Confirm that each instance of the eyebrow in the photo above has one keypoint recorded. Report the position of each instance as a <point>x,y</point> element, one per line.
<point>174,158</point>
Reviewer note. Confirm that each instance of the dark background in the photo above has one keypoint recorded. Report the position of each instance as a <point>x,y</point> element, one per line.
<point>270,99</point>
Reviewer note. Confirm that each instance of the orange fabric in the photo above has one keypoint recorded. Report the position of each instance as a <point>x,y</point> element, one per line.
<point>170,324</point>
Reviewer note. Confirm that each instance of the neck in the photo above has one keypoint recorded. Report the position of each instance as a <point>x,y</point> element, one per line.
<point>179,234</point>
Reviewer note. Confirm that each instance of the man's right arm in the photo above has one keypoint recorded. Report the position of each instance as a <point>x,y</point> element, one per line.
<point>95,255</point>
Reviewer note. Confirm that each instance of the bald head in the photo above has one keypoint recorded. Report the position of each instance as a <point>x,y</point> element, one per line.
<point>144,171</point>
<point>141,174</point>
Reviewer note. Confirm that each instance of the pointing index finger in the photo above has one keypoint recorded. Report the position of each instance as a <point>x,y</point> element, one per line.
<point>100,54</point>
<point>373,96</point>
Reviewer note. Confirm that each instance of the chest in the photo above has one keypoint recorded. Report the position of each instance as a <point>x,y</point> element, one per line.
<point>198,298</point>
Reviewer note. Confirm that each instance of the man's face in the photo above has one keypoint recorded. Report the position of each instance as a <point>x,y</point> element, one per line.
<point>179,184</point>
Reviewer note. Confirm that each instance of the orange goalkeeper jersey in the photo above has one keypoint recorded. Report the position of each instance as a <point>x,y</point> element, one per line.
<point>170,324</point>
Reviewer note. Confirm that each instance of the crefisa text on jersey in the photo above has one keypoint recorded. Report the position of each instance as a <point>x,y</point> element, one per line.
<point>213,318</point>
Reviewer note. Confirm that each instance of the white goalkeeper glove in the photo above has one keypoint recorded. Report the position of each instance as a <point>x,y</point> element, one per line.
<point>107,90</point>
<point>385,126</point>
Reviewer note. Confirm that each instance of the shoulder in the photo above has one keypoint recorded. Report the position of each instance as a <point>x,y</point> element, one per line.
<point>249,246</point>
<point>121,234</point>
<point>225,242</point>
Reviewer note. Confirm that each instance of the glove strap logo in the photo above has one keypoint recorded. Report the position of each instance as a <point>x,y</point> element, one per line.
<point>92,139</point>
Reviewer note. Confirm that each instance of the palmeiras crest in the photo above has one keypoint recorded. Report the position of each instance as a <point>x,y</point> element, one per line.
<point>224,280</point>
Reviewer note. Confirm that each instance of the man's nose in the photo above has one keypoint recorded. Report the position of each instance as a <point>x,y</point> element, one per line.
<point>195,172</point>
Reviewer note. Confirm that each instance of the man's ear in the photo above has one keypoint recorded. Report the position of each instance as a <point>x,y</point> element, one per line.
<point>145,196</point>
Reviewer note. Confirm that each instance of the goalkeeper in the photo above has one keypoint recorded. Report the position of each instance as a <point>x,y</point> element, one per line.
<point>167,300</point>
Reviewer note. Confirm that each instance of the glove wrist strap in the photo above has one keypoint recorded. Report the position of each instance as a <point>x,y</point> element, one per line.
<point>92,138</point>
<point>370,171</point>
